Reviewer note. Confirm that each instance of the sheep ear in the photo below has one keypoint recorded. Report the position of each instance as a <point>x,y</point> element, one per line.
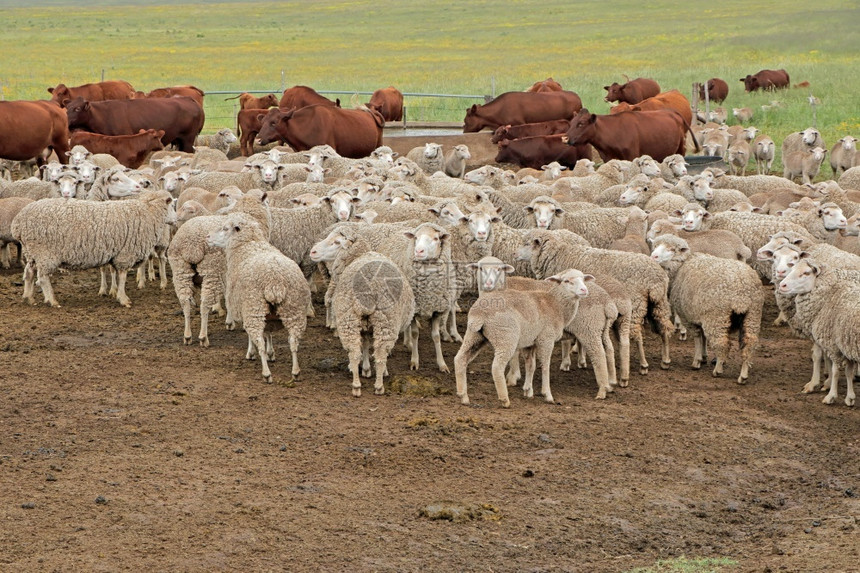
<point>435,210</point>
<point>587,278</point>
<point>473,266</point>
<point>778,213</point>
<point>678,213</point>
<point>409,234</point>
<point>355,200</point>
<point>706,215</point>
<point>554,279</point>
<point>683,249</point>
<point>495,219</point>
<point>757,210</point>
<point>559,212</point>
<point>765,254</point>
<point>529,209</point>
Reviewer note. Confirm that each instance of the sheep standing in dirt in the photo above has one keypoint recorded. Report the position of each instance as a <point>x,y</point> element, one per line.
<point>9,208</point>
<point>80,235</point>
<point>511,321</point>
<point>262,285</point>
<point>455,161</point>
<point>827,301</point>
<point>712,296</point>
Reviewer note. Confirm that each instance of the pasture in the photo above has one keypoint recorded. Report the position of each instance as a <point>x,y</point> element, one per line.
<point>123,449</point>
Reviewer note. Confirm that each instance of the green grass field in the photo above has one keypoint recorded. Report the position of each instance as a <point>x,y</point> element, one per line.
<point>476,47</point>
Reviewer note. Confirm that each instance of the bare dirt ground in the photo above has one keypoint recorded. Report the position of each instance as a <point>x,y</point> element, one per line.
<point>122,449</point>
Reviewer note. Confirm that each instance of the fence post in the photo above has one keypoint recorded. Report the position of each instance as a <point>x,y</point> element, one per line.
<point>814,110</point>
<point>493,86</point>
<point>283,81</point>
<point>695,100</point>
<point>103,74</point>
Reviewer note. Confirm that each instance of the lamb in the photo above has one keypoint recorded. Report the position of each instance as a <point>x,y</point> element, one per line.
<point>262,285</point>
<point>79,235</point>
<point>804,164</point>
<point>712,296</point>
<point>455,161</point>
<point>507,320</point>
<point>647,283</point>
<point>374,305</point>
<point>718,115</point>
<point>763,150</point>
<point>715,242</point>
<point>174,181</point>
<point>737,156</point>
<point>191,258</point>
<point>843,156</point>
<point>742,114</point>
<point>10,207</point>
<point>826,302</point>
<point>429,158</point>
<point>633,240</point>
<point>802,141</point>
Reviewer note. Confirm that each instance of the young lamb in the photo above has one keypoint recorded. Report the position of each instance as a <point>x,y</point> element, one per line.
<point>804,164</point>
<point>512,321</point>
<point>455,161</point>
<point>763,149</point>
<point>712,296</point>
<point>843,156</point>
<point>79,235</point>
<point>430,157</point>
<point>738,156</point>
<point>262,286</point>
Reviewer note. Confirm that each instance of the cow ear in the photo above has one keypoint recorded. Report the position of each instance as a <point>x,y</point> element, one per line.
<point>473,109</point>
<point>607,87</point>
<point>260,116</point>
<point>50,90</point>
<point>85,107</point>
<point>592,118</point>
<point>337,102</point>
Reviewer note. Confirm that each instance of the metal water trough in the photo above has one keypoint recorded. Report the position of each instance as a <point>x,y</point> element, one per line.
<point>698,163</point>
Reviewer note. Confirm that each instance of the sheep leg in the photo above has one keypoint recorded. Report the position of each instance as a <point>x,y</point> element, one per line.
<point>141,275</point>
<point>209,293</point>
<point>566,346</point>
<point>365,355</point>
<point>44,281</point>
<point>624,352</point>
<point>719,339</point>
<point>834,383</point>
<point>544,355</point>
<point>413,342</point>
<point>435,327</point>
<point>472,344</point>
<point>593,346</point>
<point>698,352</point>
<point>103,288</point>
<point>29,282</point>
<point>513,376</point>
<point>815,382</point>
<point>270,346</point>
<point>113,281</point>
<point>162,267</point>
<point>609,348</point>
<point>500,360</point>
<point>294,351</point>
<point>581,357</point>
<point>6,256</point>
<point>452,333</point>
<point>850,367</point>
<point>384,339</point>
<point>529,357</point>
<point>150,265</point>
<point>679,328</point>
<point>748,340</point>
<point>121,296</point>
<point>636,332</point>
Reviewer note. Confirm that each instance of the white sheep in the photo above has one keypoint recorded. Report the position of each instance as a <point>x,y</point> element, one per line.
<point>805,164</point>
<point>428,157</point>
<point>455,161</point>
<point>738,156</point>
<point>716,242</point>
<point>673,167</point>
<point>9,207</point>
<point>850,179</point>
<point>633,240</point>
<point>763,150</point>
<point>742,114</point>
<point>81,235</point>
<point>711,296</point>
<point>219,140</point>
<point>801,141</point>
<point>262,285</point>
<point>843,156</point>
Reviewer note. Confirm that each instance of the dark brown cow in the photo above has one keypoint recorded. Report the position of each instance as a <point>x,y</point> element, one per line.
<point>99,91</point>
<point>388,102</point>
<point>547,85</point>
<point>180,118</point>
<point>130,150</point>
<point>530,130</point>
<point>630,135</point>
<point>248,101</point>
<point>718,90</point>
<point>301,96</point>
<point>30,129</point>
<point>514,108</point>
<point>248,124</point>
<point>540,150</point>
<point>672,99</point>
<point>190,91</point>
<point>351,132</point>
<point>766,80</point>
<point>633,91</point>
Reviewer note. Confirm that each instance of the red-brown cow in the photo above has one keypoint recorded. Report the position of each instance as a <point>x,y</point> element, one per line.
<point>99,91</point>
<point>248,124</point>
<point>180,118</point>
<point>766,80</point>
<point>190,91</point>
<point>547,85</point>
<point>672,99</point>
<point>30,129</point>
<point>530,130</point>
<point>629,135</point>
<point>351,132</point>
<point>302,96</point>
<point>537,151</point>
<point>388,102</point>
<point>718,90</point>
<point>130,150</point>
<point>633,91</point>
<point>514,108</point>
<point>248,101</point>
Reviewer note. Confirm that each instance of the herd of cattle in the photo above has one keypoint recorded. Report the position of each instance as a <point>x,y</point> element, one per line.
<point>430,221</point>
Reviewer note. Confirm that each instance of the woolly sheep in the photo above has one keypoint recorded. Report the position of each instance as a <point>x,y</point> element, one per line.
<point>103,160</point>
<point>211,201</point>
<point>511,321</point>
<point>843,156</point>
<point>633,240</point>
<point>598,226</point>
<point>802,141</point>
<point>113,183</point>
<point>822,223</point>
<point>10,207</point>
<point>715,200</point>
<point>262,285</point>
<point>673,167</point>
<point>53,170</point>
<point>763,150</point>
<point>750,184</point>
<point>78,154</point>
<point>742,114</point>
<point>581,168</point>
<point>737,156</point>
<point>79,235</point>
<point>219,140</point>
<point>647,283</point>
<point>189,210</point>
<point>804,164</point>
<point>711,295</point>
<point>715,242</point>
<point>429,157</point>
<point>35,189</point>
<point>490,176</point>
<point>455,161</point>
<point>409,171</point>
<point>850,178</point>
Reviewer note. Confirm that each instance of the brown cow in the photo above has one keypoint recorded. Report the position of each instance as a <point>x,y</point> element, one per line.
<point>248,101</point>
<point>301,96</point>
<point>530,130</point>
<point>633,91</point>
<point>99,91</point>
<point>194,93</point>
<point>718,90</point>
<point>180,118</point>
<point>130,150</point>
<point>629,135</point>
<point>351,132</point>
<point>514,108</point>
<point>248,124</point>
<point>766,80</point>
<point>388,102</point>
<point>672,99</point>
<point>547,85</point>
<point>30,129</point>
<point>540,150</point>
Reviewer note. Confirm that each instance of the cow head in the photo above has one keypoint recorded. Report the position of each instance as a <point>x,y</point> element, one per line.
<point>614,92</point>
<point>60,94</point>
<point>473,122</point>
<point>78,112</point>
<point>582,127</point>
<point>274,125</point>
<point>750,83</point>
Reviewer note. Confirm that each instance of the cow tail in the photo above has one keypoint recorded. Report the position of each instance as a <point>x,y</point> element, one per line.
<point>696,145</point>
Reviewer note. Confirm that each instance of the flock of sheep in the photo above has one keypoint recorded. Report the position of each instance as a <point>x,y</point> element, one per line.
<point>583,256</point>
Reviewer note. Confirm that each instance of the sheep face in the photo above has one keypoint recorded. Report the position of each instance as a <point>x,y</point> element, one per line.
<point>801,278</point>
<point>553,170</point>
<point>462,152</point>
<point>573,281</point>
<point>432,150</point>
<point>692,218</point>
<point>481,176</point>
<point>490,273</point>
<point>384,154</point>
<point>367,190</point>
<point>268,171</point>
<point>632,193</point>
<point>67,185</point>
<point>87,172</point>
<point>227,135</point>
<point>53,170</point>
<point>809,136</point>
<point>480,224</point>
<point>327,249</point>
<point>449,213</point>
<point>173,180</point>
<point>832,217</point>
<point>668,248</point>
<point>676,165</point>
<point>647,166</point>
<point>228,196</point>
<point>119,184</point>
<point>702,190</point>
<point>341,203</point>
<point>428,241</point>
<point>78,155</point>
<point>544,211</point>
<point>849,143</point>
<point>306,200</point>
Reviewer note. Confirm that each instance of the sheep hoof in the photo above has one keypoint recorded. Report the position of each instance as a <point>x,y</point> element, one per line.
<point>446,337</point>
<point>601,395</point>
<point>665,365</point>
<point>643,370</point>
<point>356,392</point>
<point>444,368</point>
<point>413,365</point>
<point>779,322</point>
<point>379,391</point>
<point>365,372</point>
<point>829,399</point>
<point>186,340</point>
<point>624,382</point>
<point>506,403</point>
<point>849,401</point>
<point>549,399</point>
<point>682,336</point>
<point>742,380</point>
<point>268,379</point>
<point>809,388</point>
<point>697,364</point>
<point>231,326</point>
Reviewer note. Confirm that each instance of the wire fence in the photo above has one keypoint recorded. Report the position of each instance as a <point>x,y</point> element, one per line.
<point>221,109</point>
